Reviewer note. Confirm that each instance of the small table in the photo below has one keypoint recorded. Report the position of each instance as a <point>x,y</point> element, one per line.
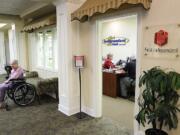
<point>111,83</point>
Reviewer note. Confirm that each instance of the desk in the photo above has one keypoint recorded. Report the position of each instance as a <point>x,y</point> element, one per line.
<point>111,84</point>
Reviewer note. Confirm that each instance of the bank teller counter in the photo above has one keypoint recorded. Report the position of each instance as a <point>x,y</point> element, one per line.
<point>111,81</point>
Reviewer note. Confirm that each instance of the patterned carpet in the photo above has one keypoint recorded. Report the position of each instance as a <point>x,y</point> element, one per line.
<point>45,119</point>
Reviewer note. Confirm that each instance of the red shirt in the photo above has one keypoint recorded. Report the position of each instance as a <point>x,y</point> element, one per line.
<point>108,64</point>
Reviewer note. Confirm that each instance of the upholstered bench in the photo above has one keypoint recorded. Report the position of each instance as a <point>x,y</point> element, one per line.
<point>43,86</point>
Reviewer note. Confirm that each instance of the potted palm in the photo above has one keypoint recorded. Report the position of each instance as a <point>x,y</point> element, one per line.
<point>158,101</point>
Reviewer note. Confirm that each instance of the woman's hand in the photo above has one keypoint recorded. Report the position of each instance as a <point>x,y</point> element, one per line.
<point>7,81</point>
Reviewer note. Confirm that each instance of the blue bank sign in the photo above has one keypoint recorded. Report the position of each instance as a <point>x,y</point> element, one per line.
<point>116,41</point>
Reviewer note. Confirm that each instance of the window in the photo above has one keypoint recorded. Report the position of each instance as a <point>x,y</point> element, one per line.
<point>47,49</point>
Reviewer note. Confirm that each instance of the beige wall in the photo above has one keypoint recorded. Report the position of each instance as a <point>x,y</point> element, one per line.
<point>124,27</point>
<point>87,41</point>
<point>166,13</point>
<point>162,12</point>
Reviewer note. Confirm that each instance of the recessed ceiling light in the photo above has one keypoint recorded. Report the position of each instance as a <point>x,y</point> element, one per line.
<point>2,25</point>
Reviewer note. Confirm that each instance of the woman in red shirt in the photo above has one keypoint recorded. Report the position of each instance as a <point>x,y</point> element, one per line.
<point>108,62</point>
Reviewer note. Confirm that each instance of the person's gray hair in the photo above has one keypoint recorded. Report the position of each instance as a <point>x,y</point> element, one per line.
<point>109,55</point>
<point>14,62</point>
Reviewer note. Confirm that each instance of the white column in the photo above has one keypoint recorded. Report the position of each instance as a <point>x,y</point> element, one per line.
<point>67,36</point>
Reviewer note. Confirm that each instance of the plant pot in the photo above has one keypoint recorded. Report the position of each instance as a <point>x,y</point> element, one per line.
<point>155,132</point>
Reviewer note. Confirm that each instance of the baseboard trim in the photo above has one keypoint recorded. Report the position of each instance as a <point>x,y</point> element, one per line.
<point>67,111</point>
<point>70,112</point>
<point>88,111</point>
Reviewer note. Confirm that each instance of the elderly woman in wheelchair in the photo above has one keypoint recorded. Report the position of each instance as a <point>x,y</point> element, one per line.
<point>16,88</point>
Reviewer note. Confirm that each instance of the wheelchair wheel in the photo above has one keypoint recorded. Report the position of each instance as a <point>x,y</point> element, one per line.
<point>24,94</point>
<point>10,94</point>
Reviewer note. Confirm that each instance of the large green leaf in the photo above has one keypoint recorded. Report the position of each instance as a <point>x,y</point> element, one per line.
<point>158,102</point>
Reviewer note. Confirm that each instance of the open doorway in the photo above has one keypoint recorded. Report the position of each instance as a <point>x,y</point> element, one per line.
<point>118,41</point>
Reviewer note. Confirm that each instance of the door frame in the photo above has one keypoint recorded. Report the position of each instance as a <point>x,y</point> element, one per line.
<point>98,62</point>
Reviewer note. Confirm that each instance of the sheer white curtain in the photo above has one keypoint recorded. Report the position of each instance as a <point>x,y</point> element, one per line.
<point>12,43</point>
<point>2,52</point>
<point>47,49</point>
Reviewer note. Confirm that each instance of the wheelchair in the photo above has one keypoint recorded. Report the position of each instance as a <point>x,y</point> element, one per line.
<point>21,92</point>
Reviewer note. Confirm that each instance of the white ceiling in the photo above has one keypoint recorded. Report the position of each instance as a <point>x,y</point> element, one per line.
<point>17,7</point>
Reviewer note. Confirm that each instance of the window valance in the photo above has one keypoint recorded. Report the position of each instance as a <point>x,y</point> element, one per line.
<point>92,7</point>
<point>40,23</point>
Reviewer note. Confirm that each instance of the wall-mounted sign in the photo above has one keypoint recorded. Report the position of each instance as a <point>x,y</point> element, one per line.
<point>79,61</point>
<point>161,38</point>
<point>116,41</point>
<point>162,41</point>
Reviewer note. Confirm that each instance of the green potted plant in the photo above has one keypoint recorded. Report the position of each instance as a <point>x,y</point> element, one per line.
<point>158,101</point>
